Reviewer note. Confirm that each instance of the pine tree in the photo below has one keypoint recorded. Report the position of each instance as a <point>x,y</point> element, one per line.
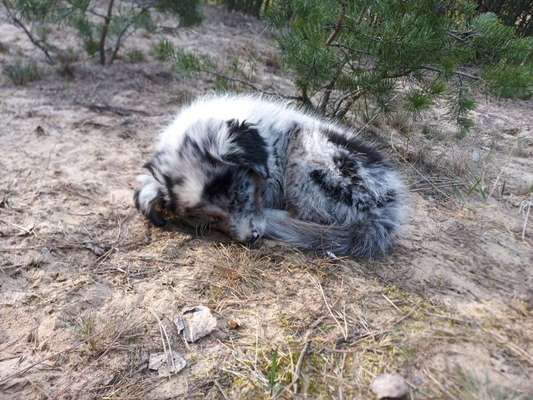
<point>347,53</point>
<point>101,31</point>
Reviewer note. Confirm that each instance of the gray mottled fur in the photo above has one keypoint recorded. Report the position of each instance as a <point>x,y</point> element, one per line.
<point>258,168</point>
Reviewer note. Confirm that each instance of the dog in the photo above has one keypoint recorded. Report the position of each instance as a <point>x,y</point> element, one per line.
<point>257,168</point>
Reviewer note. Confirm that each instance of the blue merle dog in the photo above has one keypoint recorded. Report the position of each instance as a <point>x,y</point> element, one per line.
<point>255,168</point>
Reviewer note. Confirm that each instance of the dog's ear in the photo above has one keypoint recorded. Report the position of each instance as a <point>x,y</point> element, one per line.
<point>150,208</point>
<point>149,200</point>
<point>249,149</point>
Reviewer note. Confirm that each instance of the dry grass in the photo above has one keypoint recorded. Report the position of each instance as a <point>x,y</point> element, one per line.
<point>237,273</point>
<point>126,383</point>
<point>102,334</point>
<point>387,330</point>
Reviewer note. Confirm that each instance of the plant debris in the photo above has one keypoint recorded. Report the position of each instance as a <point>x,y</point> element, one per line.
<point>166,364</point>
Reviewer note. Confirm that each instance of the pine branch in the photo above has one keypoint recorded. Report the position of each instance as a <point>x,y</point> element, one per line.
<point>251,85</point>
<point>350,98</point>
<point>118,43</point>
<point>338,24</point>
<point>93,12</point>
<point>122,34</point>
<point>459,73</point>
<point>456,37</point>
<point>36,42</point>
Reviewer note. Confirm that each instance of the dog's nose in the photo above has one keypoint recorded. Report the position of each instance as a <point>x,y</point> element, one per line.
<point>255,237</point>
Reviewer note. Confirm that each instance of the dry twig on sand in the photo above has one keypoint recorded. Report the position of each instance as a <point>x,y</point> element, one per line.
<point>164,336</point>
<point>525,208</point>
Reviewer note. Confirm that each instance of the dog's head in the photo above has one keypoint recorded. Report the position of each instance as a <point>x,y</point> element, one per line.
<point>214,173</point>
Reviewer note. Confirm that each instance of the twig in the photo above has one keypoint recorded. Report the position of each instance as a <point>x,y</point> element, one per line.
<point>327,94</point>
<point>221,390</point>
<point>251,85</point>
<point>525,208</point>
<point>298,368</point>
<point>93,12</point>
<point>354,95</point>
<point>505,164</point>
<point>440,385</point>
<point>380,332</point>
<point>26,231</point>
<point>163,333</point>
<point>118,42</point>
<point>391,303</point>
<point>155,259</point>
<point>319,286</point>
<point>459,73</point>
<point>123,112</point>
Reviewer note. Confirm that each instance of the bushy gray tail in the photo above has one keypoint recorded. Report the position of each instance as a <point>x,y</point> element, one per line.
<point>370,238</point>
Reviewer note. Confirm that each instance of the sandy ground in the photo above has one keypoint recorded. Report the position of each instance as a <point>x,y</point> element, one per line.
<point>83,277</point>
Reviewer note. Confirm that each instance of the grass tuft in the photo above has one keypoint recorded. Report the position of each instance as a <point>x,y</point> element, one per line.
<point>22,72</point>
<point>135,56</point>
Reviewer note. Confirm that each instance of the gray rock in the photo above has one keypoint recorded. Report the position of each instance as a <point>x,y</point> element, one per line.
<point>390,386</point>
<point>166,364</point>
<point>195,323</point>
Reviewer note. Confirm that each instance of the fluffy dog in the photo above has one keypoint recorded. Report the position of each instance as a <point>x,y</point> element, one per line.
<point>256,168</point>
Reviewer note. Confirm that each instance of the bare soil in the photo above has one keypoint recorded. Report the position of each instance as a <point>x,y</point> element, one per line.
<point>83,276</point>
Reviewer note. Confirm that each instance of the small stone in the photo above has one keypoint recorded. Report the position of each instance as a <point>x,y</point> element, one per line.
<point>234,324</point>
<point>39,131</point>
<point>47,327</point>
<point>390,386</point>
<point>195,323</point>
<point>166,364</point>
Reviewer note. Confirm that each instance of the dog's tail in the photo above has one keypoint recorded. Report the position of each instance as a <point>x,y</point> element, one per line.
<point>371,238</point>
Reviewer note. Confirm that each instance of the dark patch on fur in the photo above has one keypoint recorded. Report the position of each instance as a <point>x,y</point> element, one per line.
<point>240,192</point>
<point>169,183</point>
<point>136,200</point>
<point>388,197</point>
<point>190,146</point>
<point>152,169</point>
<point>253,149</point>
<point>348,167</point>
<point>170,201</point>
<point>218,186</point>
<point>153,215</point>
<point>370,155</point>
<point>209,142</point>
<point>362,205</point>
<point>335,192</point>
